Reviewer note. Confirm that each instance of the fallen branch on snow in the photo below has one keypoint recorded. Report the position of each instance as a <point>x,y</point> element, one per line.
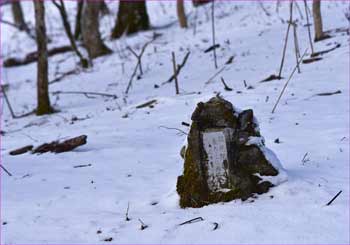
<point>33,56</point>
<point>147,104</point>
<point>325,51</point>
<point>328,93</point>
<point>311,60</point>
<point>86,94</point>
<point>21,150</point>
<point>9,174</point>
<point>63,75</point>
<point>58,147</point>
<point>192,221</point>
<point>82,166</point>
<point>330,202</point>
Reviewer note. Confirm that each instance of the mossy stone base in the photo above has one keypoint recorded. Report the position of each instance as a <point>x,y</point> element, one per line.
<point>244,160</point>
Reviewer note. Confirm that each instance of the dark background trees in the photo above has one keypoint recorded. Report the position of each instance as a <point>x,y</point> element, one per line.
<point>90,30</point>
<point>132,17</point>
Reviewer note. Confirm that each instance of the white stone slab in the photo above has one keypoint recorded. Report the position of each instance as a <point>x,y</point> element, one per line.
<point>215,146</point>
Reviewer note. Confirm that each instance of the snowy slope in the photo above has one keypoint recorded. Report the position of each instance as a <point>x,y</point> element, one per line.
<point>135,160</point>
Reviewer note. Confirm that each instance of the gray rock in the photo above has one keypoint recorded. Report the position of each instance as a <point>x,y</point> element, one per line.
<point>224,158</point>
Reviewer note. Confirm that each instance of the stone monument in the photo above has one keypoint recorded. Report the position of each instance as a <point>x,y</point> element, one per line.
<point>225,157</point>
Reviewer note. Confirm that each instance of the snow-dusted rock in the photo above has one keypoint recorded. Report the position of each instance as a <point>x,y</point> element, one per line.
<point>225,158</point>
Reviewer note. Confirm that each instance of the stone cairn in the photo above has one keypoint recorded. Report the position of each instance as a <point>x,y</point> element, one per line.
<point>225,157</point>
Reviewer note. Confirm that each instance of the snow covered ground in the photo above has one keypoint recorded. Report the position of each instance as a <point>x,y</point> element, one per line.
<point>136,161</point>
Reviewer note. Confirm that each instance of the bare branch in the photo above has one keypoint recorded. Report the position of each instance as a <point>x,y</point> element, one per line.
<point>285,86</point>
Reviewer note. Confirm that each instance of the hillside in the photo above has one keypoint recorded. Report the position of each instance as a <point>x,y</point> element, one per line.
<point>135,155</point>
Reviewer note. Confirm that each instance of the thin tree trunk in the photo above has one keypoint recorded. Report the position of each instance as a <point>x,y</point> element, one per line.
<point>18,15</point>
<point>308,26</point>
<point>43,99</point>
<point>180,9</point>
<point>90,30</point>
<point>77,30</point>
<point>316,11</point>
<point>62,9</point>
<point>132,17</point>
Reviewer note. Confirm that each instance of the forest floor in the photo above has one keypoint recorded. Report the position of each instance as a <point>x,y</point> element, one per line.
<point>135,159</point>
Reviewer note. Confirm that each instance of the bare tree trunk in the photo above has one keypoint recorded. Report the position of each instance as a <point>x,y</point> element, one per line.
<point>316,11</point>
<point>180,9</point>
<point>43,99</point>
<point>62,9</point>
<point>77,30</point>
<point>104,8</point>
<point>90,30</point>
<point>197,3</point>
<point>18,15</point>
<point>132,17</point>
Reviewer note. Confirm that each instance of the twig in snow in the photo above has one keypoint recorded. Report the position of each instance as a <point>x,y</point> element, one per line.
<point>147,104</point>
<point>299,10</point>
<point>143,225</point>
<point>271,78</point>
<point>8,102</point>
<point>230,60</point>
<point>179,67</point>
<point>13,115</point>
<point>213,32</point>
<point>311,60</point>
<point>127,213</point>
<point>211,48</point>
<point>216,225</point>
<point>19,27</point>
<point>192,221</point>
<point>177,129</point>
<point>63,75</point>
<point>175,72</point>
<point>264,9</point>
<point>138,64</point>
<point>86,94</point>
<point>286,38</point>
<point>328,93</point>
<point>217,73</point>
<point>286,84</point>
<point>308,27</point>
<point>185,124</point>
<point>304,160</point>
<point>296,45</point>
<point>9,174</point>
<point>82,165</point>
<point>330,202</point>
<point>325,51</point>
<point>226,87</point>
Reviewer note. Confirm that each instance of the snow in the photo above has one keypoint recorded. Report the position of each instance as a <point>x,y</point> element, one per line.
<point>134,160</point>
